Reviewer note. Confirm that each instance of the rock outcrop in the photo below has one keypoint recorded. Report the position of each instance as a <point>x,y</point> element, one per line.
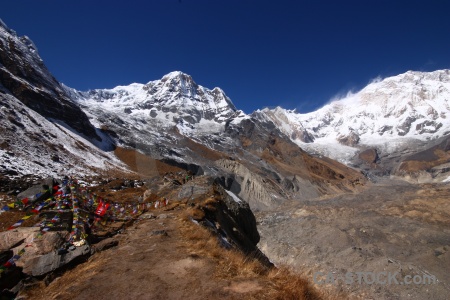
<point>234,222</point>
<point>246,184</point>
<point>369,156</point>
<point>430,164</point>
<point>40,251</point>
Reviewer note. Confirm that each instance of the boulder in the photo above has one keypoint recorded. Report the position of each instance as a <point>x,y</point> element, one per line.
<point>41,250</point>
<point>38,192</point>
<point>369,156</point>
<point>192,190</point>
<point>14,238</point>
<point>43,264</point>
<point>235,223</point>
<point>30,239</point>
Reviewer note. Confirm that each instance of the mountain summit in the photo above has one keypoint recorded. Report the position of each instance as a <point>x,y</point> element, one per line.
<point>413,105</point>
<point>173,100</point>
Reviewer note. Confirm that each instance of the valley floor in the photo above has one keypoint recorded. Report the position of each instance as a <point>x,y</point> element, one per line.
<point>391,227</point>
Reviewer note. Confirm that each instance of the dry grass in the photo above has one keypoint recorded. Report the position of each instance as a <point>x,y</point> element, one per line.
<point>195,213</point>
<point>275,283</point>
<point>284,284</point>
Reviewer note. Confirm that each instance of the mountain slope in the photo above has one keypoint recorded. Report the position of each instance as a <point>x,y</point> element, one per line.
<point>24,74</point>
<point>42,131</point>
<point>174,99</point>
<point>397,116</point>
<point>410,105</point>
<point>32,144</point>
<point>184,124</point>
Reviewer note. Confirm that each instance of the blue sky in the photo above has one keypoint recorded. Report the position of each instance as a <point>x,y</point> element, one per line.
<point>292,53</point>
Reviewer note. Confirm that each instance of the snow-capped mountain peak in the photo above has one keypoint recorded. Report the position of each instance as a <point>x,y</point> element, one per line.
<point>413,105</point>
<point>175,100</point>
<point>177,75</point>
<point>175,92</point>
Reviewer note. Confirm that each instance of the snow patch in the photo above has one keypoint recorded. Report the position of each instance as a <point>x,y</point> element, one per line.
<point>235,198</point>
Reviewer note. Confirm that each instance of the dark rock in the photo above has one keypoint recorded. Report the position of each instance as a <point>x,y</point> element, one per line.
<point>11,192</point>
<point>403,128</point>
<point>193,168</point>
<point>236,224</point>
<point>11,172</point>
<point>27,78</point>
<point>302,135</point>
<point>352,139</point>
<point>428,127</point>
<point>10,278</point>
<point>159,232</point>
<point>384,129</point>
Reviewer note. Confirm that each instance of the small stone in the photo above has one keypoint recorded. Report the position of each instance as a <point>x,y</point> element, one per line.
<point>160,232</point>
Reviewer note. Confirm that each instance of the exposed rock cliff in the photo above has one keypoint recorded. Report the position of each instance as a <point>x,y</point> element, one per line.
<point>23,73</point>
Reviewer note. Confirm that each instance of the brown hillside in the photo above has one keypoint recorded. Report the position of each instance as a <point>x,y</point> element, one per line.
<point>165,255</point>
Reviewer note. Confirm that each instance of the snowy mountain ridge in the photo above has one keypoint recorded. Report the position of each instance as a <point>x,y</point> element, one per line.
<point>413,105</point>
<point>176,120</point>
<point>42,131</point>
<point>387,114</point>
<point>175,100</point>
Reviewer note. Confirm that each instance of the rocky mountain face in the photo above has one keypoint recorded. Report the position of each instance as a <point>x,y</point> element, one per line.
<point>173,100</point>
<point>43,132</point>
<point>24,75</point>
<point>412,105</point>
<point>397,116</point>
<point>182,123</point>
<point>36,146</point>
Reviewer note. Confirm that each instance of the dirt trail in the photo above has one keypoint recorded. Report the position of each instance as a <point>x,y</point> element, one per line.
<point>151,261</point>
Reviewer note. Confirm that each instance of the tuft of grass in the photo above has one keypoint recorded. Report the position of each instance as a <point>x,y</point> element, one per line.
<point>195,213</point>
<point>209,204</point>
<point>283,284</point>
<point>277,283</point>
